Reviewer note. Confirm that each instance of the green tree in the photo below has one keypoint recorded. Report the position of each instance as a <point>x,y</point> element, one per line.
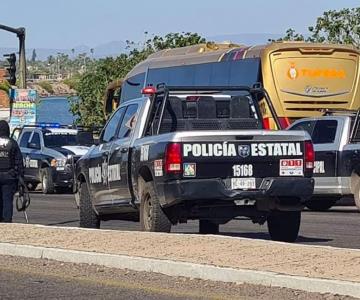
<point>291,35</point>
<point>175,40</point>
<point>51,60</point>
<point>339,27</point>
<point>92,84</point>
<point>33,56</point>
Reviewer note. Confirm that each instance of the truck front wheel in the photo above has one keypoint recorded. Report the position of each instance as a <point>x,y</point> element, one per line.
<point>152,217</point>
<point>47,181</point>
<point>284,226</point>
<point>88,217</point>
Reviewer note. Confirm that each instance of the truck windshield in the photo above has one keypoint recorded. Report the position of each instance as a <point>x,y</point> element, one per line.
<point>58,140</point>
<point>206,112</point>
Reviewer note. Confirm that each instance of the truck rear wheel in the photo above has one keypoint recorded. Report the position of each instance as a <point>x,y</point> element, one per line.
<point>88,217</point>
<point>208,227</point>
<point>47,181</point>
<point>152,217</point>
<point>284,226</point>
<point>320,204</point>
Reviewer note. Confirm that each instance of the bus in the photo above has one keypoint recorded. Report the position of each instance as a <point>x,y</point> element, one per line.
<point>302,79</point>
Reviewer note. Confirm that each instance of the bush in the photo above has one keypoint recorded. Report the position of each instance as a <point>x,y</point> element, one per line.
<point>5,86</point>
<point>46,85</point>
<point>72,82</point>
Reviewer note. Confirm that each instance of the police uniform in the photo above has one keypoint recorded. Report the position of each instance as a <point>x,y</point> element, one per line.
<point>11,168</point>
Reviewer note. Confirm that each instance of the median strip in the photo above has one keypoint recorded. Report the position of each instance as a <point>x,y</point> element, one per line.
<point>313,269</point>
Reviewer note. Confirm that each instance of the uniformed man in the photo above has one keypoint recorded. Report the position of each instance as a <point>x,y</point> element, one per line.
<point>11,169</point>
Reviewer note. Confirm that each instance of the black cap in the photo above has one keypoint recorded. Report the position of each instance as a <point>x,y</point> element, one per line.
<point>4,129</point>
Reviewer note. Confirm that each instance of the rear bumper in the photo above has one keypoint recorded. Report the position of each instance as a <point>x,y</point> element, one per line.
<point>273,193</point>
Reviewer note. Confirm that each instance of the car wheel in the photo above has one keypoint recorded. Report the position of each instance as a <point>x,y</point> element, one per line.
<point>284,226</point>
<point>31,186</point>
<point>152,217</point>
<point>208,227</point>
<point>320,204</point>
<point>47,181</point>
<point>88,217</point>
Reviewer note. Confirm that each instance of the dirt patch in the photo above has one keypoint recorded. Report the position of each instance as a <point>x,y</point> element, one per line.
<point>319,262</point>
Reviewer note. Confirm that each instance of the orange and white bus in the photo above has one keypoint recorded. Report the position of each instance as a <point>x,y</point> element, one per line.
<point>302,79</point>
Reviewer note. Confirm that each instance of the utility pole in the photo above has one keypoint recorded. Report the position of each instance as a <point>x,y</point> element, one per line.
<point>20,32</point>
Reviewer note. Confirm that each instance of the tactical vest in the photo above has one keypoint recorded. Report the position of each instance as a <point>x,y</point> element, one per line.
<point>7,154</point>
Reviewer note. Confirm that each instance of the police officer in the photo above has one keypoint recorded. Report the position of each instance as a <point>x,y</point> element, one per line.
<point>11,169</point>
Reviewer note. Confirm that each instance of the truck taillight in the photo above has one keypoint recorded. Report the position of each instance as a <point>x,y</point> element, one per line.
<point>309,155</point>
<point>266,123</point>
<point>269,123</point>
<point>173,158</point>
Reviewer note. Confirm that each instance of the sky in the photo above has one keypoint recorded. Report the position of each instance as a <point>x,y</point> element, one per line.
<point>71,23</point>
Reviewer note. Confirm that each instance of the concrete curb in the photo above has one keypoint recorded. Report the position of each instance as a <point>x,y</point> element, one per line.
<point>184,269</point>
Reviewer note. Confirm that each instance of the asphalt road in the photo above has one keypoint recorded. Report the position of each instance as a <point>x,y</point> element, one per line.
<point>339,227</point>
<point>24,278</point>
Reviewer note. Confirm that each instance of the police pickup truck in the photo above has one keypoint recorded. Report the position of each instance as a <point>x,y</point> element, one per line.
<point>49,151</point>
<point>196,153</point>
<point>336,138</point>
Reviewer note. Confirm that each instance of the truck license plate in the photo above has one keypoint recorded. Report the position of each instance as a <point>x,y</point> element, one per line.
<point>243,183</point>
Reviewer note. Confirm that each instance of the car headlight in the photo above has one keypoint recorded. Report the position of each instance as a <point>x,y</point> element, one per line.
<point>58,163</point>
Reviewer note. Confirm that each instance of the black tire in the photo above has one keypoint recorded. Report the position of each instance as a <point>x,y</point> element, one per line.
<point>88,217</point>
<point>152,217</point>
<point>284,226</point>
<point>47,181</point>
<point>320,204</point>
<point>32,186</point>
<point>208,227</point>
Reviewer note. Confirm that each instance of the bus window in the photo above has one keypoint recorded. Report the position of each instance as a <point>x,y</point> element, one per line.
<point>131,88</point>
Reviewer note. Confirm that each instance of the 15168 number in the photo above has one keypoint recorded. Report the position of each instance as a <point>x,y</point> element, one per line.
<point>243,170</point>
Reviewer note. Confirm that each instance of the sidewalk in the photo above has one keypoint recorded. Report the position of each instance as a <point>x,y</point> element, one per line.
<point>235,253</point>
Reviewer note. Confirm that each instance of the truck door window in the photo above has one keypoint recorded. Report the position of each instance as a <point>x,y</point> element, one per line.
<point>307,126</point>
<point>128,122</point>
<point>109,131</point>
<point>36,140</point>
<point>324,132</point>
<point>24,139</point>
